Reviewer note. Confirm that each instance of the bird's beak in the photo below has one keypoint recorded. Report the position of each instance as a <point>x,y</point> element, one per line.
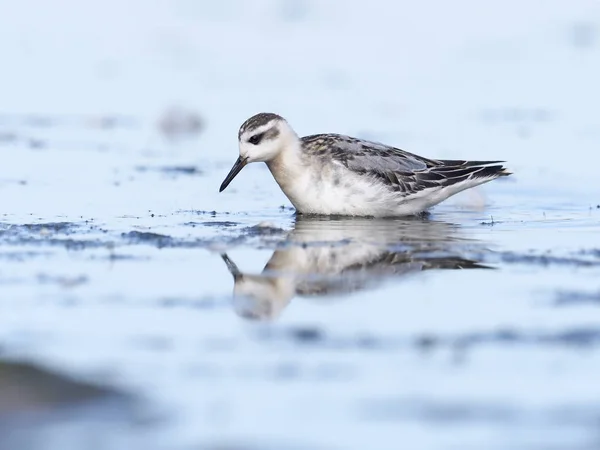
<point>233,268</point>
<point>239,165</point>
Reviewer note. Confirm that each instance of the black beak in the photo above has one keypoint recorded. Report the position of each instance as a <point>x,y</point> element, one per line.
<point>239,165</point>
<point>233,268</point>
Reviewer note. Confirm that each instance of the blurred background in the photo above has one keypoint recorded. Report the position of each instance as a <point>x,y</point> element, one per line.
<point>118,122</point>
<point>426,75</point>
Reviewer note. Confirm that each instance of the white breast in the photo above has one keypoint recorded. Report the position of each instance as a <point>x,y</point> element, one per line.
<point>333,190</point>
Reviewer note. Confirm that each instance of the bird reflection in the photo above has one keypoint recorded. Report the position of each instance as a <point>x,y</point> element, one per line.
<point>325,257</point>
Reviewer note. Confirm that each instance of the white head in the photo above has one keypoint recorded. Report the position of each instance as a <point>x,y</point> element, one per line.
<point>261,139</point>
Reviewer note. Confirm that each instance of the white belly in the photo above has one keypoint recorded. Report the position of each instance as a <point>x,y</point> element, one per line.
<point>342,192</point>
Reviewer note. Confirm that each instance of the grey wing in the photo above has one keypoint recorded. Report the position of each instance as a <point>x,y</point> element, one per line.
<point>362,156</point>
<point>403,172</point>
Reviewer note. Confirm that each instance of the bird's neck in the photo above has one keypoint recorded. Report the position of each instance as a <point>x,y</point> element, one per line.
<point>289,164</point>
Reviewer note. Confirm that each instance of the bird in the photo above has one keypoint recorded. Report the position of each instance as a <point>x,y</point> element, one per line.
<point>339,175</point>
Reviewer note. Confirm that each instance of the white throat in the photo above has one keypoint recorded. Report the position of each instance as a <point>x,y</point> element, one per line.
<point>288,165</point>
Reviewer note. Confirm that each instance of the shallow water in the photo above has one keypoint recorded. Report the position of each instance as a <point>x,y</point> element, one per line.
<point>234,324</point>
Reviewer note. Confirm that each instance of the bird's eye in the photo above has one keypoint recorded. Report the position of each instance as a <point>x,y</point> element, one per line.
<point>255,140</point>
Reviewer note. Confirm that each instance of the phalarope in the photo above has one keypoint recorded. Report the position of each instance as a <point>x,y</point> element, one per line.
<point>333,174</point>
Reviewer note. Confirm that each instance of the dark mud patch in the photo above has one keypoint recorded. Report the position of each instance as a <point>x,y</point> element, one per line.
<point>171,170</point>
<point>49,229</point>
<point>262,236</point>
<point>8,137</point>
<point>71,237</point>
<point>576,298</point>
<point>214,213</point>
<point>575,337</point>
<point>165,241</point>
<point>461,412</point>
<point>51,234</point>
<point>72,121</point>
<point>491,222</point>
<point>204,303</point>
<point>68,244</point>
<point>64,281</point>
<point>543,260</point>
<point>111,256</point>
<point>217,224</point>
<point>65,228</point>
<point>593,252</point>
<point>201,212</point>
<point>16,256</point>
<point>316,337</point>
<point>264,230</point>
<point>161,240</point>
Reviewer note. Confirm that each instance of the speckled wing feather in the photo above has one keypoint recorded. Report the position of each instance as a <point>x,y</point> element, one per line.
<point>403,172</point>
<point>360,155</point>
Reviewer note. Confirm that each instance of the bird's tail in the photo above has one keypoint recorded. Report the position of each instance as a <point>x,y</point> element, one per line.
<point>457,171</point>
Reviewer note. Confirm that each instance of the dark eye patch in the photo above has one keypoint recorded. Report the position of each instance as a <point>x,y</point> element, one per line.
<point>255,140</point>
